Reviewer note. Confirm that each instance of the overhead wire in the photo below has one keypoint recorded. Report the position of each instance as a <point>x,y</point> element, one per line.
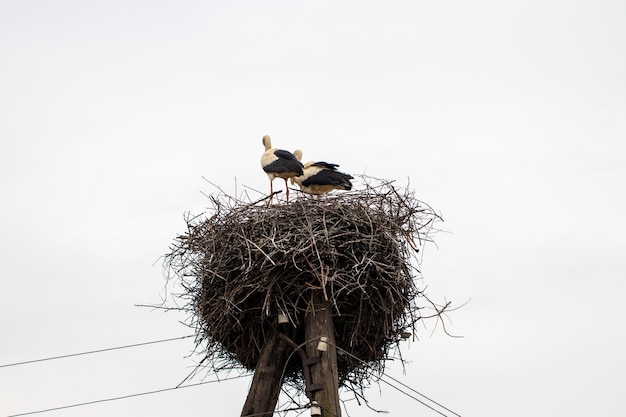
<point>408,387</point>
<point>126,396</point>
<point>419,393</point>
<point>415,398</point>
<point>94,351</point>
<point>284,410</point>
<point>207,382</point>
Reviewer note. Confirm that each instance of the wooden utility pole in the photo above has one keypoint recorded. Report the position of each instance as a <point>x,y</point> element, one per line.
<point>318,323</point>
<point>267,380</point>
<point>319,365</point>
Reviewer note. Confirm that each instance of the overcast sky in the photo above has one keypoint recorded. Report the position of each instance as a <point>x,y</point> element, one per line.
<point>509,118</point>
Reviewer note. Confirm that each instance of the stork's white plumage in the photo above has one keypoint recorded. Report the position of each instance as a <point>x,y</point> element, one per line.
<point>278,163</point>
<point>321,177</point>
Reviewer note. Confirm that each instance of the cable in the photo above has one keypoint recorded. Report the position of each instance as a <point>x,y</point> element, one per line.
<point>405,393</point>
<point>126,396</point>
<point>386,382</point>
<point>271,413</point>
<point>207,382</point>
<point>419,393</point>
<point>95,351</point>
<point>415,398</point>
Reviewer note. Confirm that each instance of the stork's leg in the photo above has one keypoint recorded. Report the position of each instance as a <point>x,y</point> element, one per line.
<point>286,189</point>
<point>271,191</point>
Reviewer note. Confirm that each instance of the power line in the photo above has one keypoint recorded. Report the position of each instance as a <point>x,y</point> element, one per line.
<point>405,393</point>
<point>95,351</point>
<point>284,410</point>
<point>419,393</point>
<point>201,383</point>
<point>126,396</point>
<point>415,398</point>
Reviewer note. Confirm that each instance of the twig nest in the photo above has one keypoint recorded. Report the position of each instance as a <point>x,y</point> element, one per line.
<point>247,263</point>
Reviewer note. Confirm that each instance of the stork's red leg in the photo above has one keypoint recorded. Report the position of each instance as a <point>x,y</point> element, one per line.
<point>286,190</point>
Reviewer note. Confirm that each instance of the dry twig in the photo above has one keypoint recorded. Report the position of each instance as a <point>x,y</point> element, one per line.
<point>248,262</point>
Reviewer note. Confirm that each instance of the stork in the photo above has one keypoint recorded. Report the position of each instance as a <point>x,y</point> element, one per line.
<point>278,163</point>
<point>321,177</point>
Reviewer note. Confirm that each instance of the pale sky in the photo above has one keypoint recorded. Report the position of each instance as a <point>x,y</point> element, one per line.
<point>509,118</point>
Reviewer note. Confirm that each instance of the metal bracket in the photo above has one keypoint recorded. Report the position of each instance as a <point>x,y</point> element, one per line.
<point>307,362</point>
<point>313,360</point>
<point>314,387</point>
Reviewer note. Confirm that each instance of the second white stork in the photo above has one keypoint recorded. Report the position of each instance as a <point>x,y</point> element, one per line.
<point>321,177</point>
<point>278,163</point>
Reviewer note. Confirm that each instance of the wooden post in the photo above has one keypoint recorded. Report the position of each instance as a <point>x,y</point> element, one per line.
<point>318,322</point>
<point>266,383</point>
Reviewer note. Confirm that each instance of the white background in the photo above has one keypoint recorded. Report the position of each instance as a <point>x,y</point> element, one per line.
<point>507,117</point>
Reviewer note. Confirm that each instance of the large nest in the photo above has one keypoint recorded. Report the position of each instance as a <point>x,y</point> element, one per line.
<point>248,262</point>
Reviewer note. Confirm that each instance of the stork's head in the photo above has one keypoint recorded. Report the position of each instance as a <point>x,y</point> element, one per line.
<point>298,154</point>
<point>267,142</point>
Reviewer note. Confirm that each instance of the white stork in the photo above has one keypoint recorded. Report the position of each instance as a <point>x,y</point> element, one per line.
<point>279,163</point>
<point>321,177</point>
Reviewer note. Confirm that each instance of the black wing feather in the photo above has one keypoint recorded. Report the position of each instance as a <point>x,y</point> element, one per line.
<point>286,162</point>
<point>326,165</point>
<point>283,154</point>
<point>329,177</point>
